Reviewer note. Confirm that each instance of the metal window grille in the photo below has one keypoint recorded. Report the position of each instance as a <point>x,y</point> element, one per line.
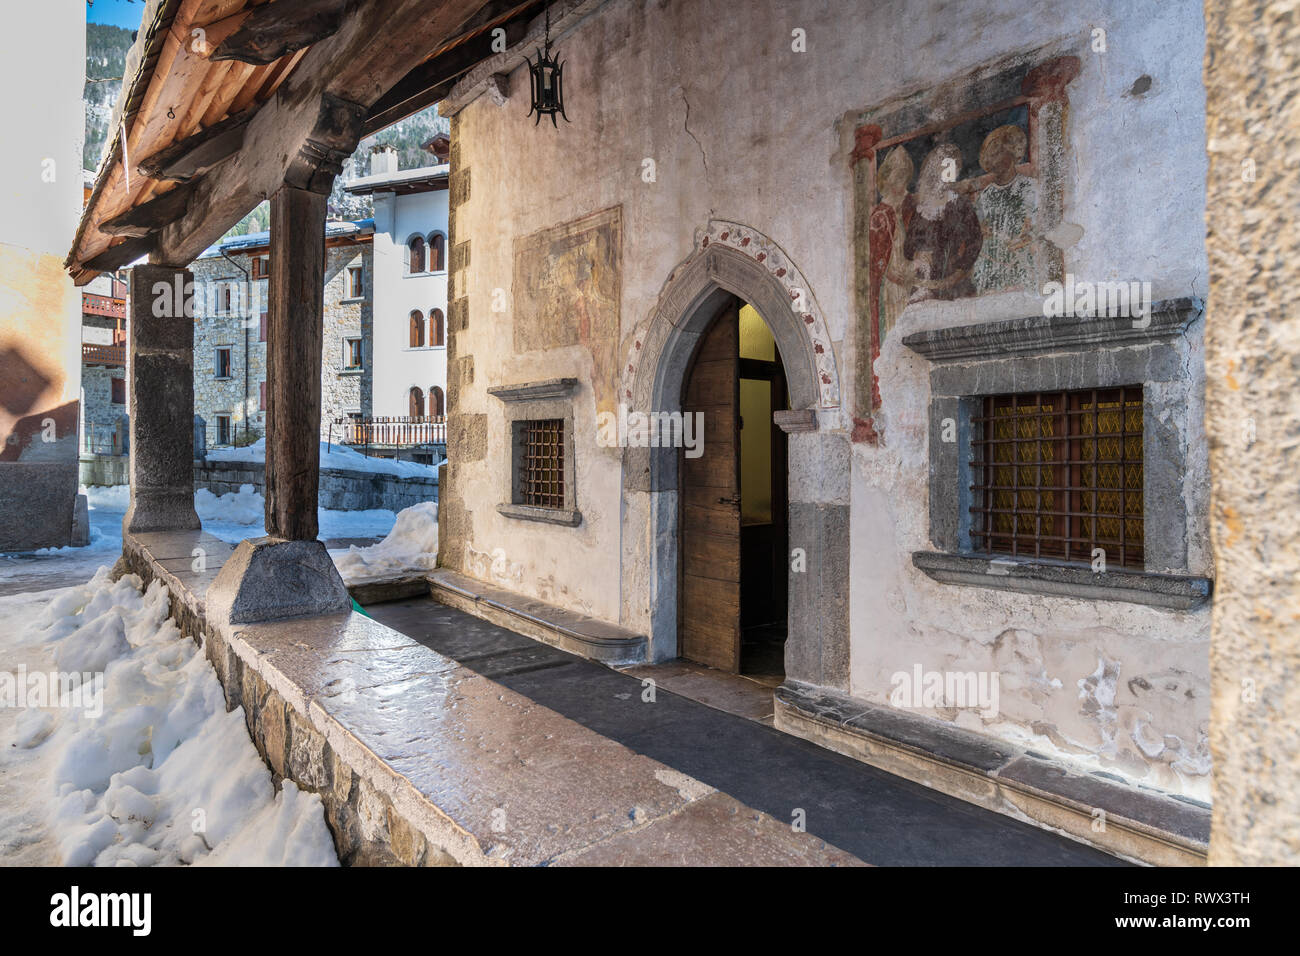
<point>542,468</point>
<point>1059,475</point>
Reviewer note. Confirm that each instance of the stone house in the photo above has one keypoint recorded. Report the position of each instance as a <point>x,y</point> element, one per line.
<point>942,340</point>
<point>410,294</point>
<point>103,365</point>
<point>230,299</point>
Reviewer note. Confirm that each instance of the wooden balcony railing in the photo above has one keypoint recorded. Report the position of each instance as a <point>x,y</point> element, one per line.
<point>103,354</point>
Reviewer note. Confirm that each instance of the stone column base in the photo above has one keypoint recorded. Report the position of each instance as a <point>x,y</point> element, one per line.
<point>267,579</point>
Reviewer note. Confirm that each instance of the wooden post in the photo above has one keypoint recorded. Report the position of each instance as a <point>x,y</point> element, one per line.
<point>293,356</point>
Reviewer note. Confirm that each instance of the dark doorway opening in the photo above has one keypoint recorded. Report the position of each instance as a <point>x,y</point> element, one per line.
<point>734,503</point>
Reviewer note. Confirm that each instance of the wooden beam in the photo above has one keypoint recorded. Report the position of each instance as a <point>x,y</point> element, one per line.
<point>198,152</point>
<point>270,31</point>
<point>122,254</point>
<point>149,217</point>
<point>294,340</point>
<point>371,51</point>
<point>431,80</point>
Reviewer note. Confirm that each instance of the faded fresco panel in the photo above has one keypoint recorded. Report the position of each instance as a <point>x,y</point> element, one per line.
<point>958,193</point>
<point>567,286</point>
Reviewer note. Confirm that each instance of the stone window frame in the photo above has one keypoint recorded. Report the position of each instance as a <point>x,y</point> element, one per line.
<point>344,368</point>
<point>1042,354</point>
<point>216,362</point>
<point>349,294</point>
<point>534,401</point>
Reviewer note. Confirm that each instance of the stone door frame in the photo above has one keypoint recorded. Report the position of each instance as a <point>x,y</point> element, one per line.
<point>740,262</point>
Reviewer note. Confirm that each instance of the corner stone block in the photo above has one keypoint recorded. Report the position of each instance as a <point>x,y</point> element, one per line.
<point>267,579</point>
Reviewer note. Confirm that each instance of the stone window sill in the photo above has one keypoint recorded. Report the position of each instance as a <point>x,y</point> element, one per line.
<point>352,300</point>
<point>570,517</point>
<point>350,371</point>
<point>1173,591</point>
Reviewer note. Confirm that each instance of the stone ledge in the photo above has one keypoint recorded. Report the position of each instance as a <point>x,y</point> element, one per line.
<point>388,589</point>
<point>1174,591</point>
<point>1141,824</point>
<point>569,517</point>
<point>567,630</point>
<point>1040,333</point>
<point>534,391</point>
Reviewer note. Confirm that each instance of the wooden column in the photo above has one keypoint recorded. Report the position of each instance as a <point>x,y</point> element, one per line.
<point>293,361</point>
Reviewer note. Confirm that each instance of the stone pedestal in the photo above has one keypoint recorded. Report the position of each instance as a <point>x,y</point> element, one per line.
<point>267,579</point>
<point>160,378</point>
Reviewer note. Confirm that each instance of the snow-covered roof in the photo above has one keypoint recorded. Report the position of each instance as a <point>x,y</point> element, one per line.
<point>403,180</point>
<point>333,230</point>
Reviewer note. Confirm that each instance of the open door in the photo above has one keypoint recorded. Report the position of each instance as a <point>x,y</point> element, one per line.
<point>709,626</point>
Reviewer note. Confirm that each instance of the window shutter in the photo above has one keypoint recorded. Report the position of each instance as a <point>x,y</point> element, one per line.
<point>261,333</point>
<point>261,402</point>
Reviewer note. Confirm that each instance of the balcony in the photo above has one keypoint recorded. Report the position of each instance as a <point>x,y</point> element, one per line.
<point>92,354</point>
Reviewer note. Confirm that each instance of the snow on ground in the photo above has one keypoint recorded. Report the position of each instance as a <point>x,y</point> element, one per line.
<point>146,767</point>
<point>411,546</point>
<point>333,456</point>
<point>231,517</point>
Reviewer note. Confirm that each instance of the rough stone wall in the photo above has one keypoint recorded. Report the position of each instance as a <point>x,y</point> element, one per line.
<point>367,829</point>
<point>738,126</point>
<point>346,391</point>
<point>341,391</point>
<point>339,490</point>
<point>214,329</point>
<point>99,413</point>
<point>1252,77</point>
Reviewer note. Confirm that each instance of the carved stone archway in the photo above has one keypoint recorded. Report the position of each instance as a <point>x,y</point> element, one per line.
<point>735,260</point>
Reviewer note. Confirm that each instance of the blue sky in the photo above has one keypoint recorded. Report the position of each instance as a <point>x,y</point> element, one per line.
<point>121,13</point>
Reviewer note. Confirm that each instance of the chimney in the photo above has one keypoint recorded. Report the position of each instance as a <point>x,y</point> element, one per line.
<point>440,146</point>
<point>383,159</point>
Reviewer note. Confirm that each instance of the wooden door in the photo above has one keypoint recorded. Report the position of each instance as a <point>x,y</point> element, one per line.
<point>709,625</point>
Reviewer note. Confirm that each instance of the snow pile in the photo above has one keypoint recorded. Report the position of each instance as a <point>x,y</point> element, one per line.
<point>334,456</point>
<point>107,497</point>
<point>411,547</point>
<point>244,506</point>
<point>164,775</point>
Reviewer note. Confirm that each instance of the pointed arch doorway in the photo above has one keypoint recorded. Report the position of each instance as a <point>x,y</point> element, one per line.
<point>733,519</point>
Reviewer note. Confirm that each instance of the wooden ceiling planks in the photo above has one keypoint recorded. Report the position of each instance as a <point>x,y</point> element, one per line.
<point>187,92</point>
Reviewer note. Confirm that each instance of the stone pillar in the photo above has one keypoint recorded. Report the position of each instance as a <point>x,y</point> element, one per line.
<point>160,378</point>
<point>1252,78</point>
<point>817,642</point>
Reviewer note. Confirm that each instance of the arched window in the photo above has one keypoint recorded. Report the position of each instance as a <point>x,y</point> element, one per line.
<point>436,327</point>
<point>417,402</point>
<point>437,404</point>
<point>437,252</point>
<point>415,258</point>
<point>417,329</point>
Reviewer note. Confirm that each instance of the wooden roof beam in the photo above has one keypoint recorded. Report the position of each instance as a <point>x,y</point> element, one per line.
<point>266,33</point>
<point>431,80</point>
<point>288,138</point>
<point>198,152</point>
<point>149,217</point>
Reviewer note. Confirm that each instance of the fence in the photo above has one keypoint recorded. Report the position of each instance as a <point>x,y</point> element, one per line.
<point>390,432</point>
<point>102,439</point>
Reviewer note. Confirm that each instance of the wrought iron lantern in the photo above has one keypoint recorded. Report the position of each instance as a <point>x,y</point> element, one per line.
<point>548,81</point>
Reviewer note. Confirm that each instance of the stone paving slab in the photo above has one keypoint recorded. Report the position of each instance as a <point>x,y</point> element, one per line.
<point>465,757</point>
<point>876,816</point>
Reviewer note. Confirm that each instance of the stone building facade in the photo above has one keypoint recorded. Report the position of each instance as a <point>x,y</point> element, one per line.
<point>954,241</point>
<point>229,333</point>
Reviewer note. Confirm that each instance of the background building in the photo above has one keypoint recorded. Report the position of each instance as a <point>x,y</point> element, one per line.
<point>230,333</point>
<point>410,296</point>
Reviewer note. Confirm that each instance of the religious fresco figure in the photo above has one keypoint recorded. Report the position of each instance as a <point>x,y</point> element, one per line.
<point>1006,208</point>
<point>944,236</point>
<point>891,277</point>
